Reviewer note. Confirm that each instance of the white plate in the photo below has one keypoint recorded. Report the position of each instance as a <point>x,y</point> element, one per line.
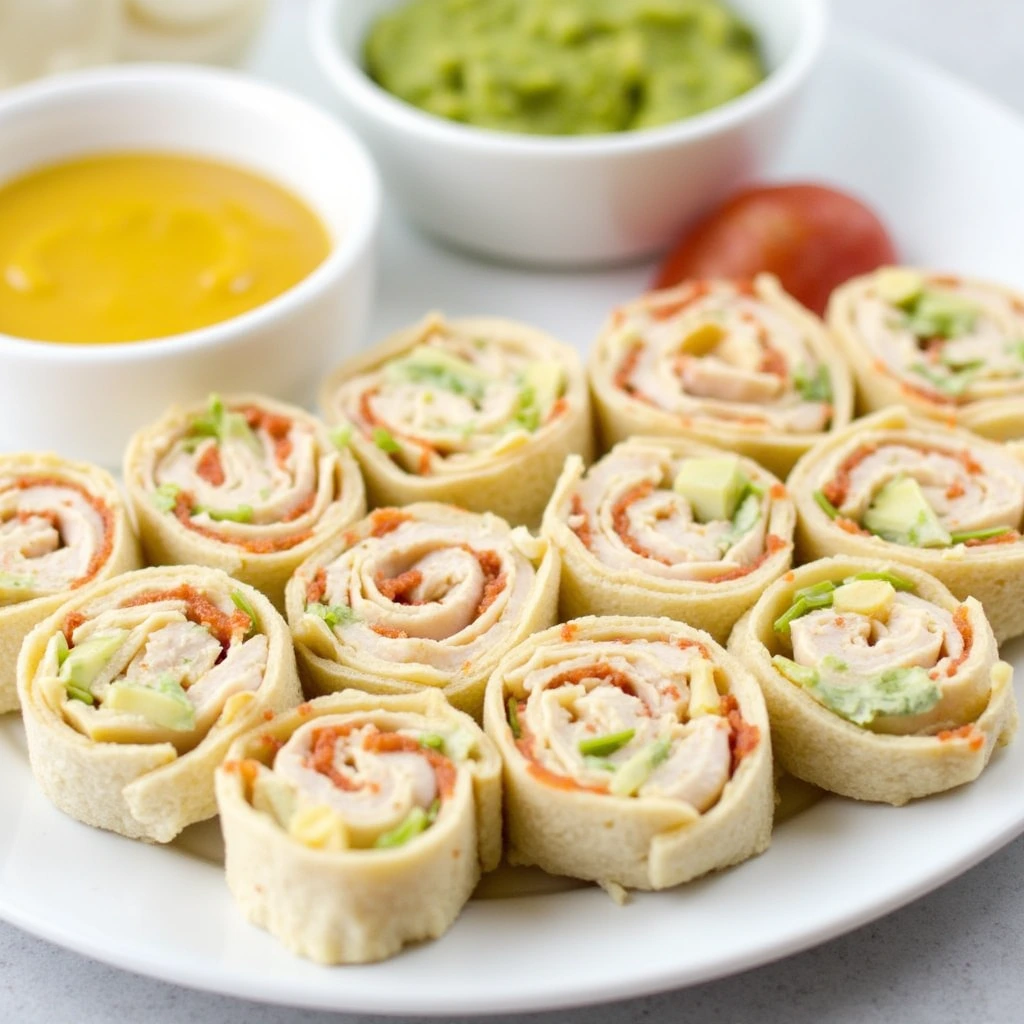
<point>942,164</point>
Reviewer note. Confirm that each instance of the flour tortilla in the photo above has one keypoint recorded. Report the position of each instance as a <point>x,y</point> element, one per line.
<point>144,790</point>
<point>591,586</point>
<point>820,747</point>
<point>18,618</point>
<point>362,905</point>
<point>636,842</point>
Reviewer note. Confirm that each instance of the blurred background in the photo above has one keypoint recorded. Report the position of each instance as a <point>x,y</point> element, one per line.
<point>41,37</point>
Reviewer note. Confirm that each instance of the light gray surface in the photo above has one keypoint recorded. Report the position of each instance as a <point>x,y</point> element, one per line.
<point>953,956</point>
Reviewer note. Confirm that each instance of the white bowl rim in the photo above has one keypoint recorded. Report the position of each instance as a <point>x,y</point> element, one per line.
<point>345,251</point>
<point>351,79</point>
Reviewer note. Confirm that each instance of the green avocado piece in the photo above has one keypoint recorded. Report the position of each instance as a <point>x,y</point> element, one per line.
<point>334,614</point>
<point>802,675</point>
<point>458,745</point>
<point>546,380</point>
<point>513,719</point>
<point>806,599</point>
<point>951,382</point>
<point>712,486</point>
<point>236,427</point>
<point>429,364</point>
<point>901,514</point>
<point>84,662</point>
<point>385,441</point>
<point>873,598</point>
<point>242,514</point>
<point>11,582</point>
<point>605,746</point>
<point>164,703</point>
<point>897,691</point>
<point>416,821</point>
<point>899,286</point>
<point>60,647</point>
<point>275,797</point>
<point>632,774</point>
<point>825,505</point>
<point>935,314</point>
<point>241,602</point>
<point>165,497</point>
<point>341,436</point>
<point>747,514</point>
<point>220,423</point>
<point>898,582</point>
<point>813,387</point>
<point>987,533</point>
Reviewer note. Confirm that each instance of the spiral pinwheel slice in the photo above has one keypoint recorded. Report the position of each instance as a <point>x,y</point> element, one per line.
<point>132,693</point>
<point>62,525</point>
<point>940,499</point>
<point>478,412</point>
<point>951,348</point>
<point>667,526</point>
<point>244,484</point>
<point>636,752</point>
<point>735,364</point>
<point>425,597</point>
<point>356,824</point>
<point>880,684</point>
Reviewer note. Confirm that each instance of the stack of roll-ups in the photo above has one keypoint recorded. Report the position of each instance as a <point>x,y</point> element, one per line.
<point>743,571</point>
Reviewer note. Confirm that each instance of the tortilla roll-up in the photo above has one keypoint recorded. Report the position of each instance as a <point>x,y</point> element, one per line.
<point>478,412</point>
<point>636,752</point>
<point>132,693</point>
<point>880,684</point>
<point>736,364</point>
<point>62,525</point>
<point>943,500</point>
<point>425,597</point>
<point>244,484</point>
<point>667,526</point>
<point>950,348</point>
<point>354,824</point>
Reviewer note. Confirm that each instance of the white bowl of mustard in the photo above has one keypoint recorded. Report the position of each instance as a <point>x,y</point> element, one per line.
<point>564,200</point>
<point>166,232</point>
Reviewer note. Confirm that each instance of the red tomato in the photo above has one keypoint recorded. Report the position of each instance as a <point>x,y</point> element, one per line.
<point>811,237</point>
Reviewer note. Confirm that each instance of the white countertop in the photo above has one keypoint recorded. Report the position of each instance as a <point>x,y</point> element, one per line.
<point>952,956</point>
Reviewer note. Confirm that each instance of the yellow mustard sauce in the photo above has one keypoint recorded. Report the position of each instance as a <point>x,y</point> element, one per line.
<point>129,246</point>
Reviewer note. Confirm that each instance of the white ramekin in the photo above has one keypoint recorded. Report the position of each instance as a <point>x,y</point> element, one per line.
<point>85,400</point>
<point>568,201</point>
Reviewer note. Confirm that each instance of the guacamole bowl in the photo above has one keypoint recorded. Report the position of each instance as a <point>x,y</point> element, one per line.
<point>84,400</point>
<point>568,200</point>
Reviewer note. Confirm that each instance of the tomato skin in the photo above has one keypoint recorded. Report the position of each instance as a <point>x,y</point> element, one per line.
<point>811,237</point>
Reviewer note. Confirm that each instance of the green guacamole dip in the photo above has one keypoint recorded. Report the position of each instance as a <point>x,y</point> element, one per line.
<point>564,67</point>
